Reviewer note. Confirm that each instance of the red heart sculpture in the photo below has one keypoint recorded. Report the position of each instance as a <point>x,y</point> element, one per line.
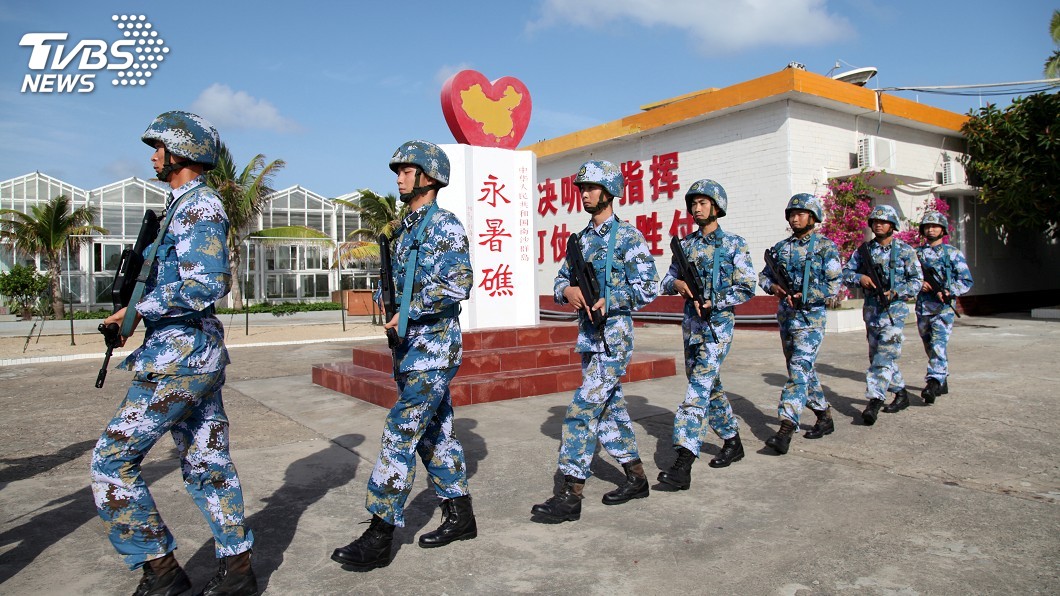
<point>486,114</point>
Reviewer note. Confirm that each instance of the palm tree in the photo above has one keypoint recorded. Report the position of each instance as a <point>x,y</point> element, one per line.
<point>47,231</point>
<point>1052,65</point>
<point>379,215</point>
<point>244,196</point>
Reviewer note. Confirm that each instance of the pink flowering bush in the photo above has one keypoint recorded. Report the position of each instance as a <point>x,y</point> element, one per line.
<point>910,232</point>
<point>847,205</point>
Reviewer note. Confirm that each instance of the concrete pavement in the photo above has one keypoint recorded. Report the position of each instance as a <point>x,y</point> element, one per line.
<point>955,498</point>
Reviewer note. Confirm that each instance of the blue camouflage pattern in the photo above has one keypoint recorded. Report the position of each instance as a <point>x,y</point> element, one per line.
<point>807,202</point>
<point>604,173</point>
<point>185,135</point>
<point>705,397</point>
<point>597,412</point>
<point>190,409</point>
<point>934,319</point>
<point>634,284</point>
<point>598,408</point>
<point>884,328</point>
<point>425,154</point>
<point>708,188</point>
<point>443,279</point>
<point>421,422</point>
<point>884,213</point>
<point>802,330</point>
<point>736,283</point>
<point>190,274</point>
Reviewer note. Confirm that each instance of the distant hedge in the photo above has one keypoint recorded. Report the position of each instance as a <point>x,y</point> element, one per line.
<point>278,309</point>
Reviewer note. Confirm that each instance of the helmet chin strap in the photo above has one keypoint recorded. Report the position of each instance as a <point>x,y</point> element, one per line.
<point>169,167</point>
<point>418,190</point>
<point>803,229</point>
<point>600,206</point>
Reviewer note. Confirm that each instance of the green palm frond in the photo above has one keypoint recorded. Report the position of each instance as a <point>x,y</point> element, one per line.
<point>290,235</point>
<point>357,251</point>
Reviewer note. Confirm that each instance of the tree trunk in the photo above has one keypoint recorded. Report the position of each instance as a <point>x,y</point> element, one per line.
<point>57,292</point>
<point>236,293</point>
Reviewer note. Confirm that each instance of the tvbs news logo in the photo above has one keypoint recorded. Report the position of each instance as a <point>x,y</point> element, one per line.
<point>133,58</point>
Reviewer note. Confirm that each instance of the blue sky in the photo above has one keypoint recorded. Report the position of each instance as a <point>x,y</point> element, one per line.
<point>333,88</point>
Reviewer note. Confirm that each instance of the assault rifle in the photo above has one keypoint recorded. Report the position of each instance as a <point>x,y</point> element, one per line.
<point>875,273</point>
<point>583,277</point>
<point>130,265</point>
<point>781,278</point>
<point>938,285</point>
<point>687,274</point>
<point>388,294</point>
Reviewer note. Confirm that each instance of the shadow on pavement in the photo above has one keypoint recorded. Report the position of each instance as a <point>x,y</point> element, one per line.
<point>28,467</point>
<point>306,481</point>
<point>56,519</point>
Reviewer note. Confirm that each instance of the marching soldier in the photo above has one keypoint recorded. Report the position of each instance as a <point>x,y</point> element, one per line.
<point>885,309</point>
<point>723,264</point>
<point>628,281</point>
<point>179,372</point>
<point>935,309</point>
<point>810,263</point>
<point>433,275</point>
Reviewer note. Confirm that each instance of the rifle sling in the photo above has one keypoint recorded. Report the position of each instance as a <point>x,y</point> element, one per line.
<point>410,270</point>
<point>129,320</point>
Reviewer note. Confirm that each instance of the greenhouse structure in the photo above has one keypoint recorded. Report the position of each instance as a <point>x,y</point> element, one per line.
<point>273,270</point>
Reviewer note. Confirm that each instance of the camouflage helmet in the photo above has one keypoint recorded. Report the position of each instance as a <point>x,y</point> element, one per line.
<point>936,218</point>
<point>711,189</point>
<point>806,202</point>
<point>604,173</point>
<point>884,213</point>
<point>185,135</point>
<point>427,156</point>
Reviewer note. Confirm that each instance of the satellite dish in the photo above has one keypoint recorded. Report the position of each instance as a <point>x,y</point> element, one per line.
<point>858,76</point>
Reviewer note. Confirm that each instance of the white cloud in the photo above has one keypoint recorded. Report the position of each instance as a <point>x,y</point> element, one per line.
<point>442,74</point>
<point>229,109</point>
<point>121,169</point>
<point>717,26</point>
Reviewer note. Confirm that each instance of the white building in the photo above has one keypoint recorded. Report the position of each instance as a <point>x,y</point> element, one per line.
<point>767,139</point>
<point>276,271</point>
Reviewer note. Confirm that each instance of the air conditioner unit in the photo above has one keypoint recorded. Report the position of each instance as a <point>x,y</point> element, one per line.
<point>875,153</point>
<point>951,174</point>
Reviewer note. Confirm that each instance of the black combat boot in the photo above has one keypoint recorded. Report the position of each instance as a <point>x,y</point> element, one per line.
<point>731,451</point>
<point>901,402</point>
<point>458,523</point>
<point>931,391</point>
<point>945,387</point>
<point>823,426</point>
<point>636,486</point>
<point>564,505</point>
<point>234,577</point>
<point>780,441</point>
<point>871,412</point>
<point>163,577</point>
<point>679,475</point>
<point>371,550</point>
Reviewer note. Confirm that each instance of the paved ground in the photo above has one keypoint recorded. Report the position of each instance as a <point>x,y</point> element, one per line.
<point>956,498</point>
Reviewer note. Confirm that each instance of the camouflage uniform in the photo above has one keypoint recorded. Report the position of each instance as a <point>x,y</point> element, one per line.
<point>705,397</point>
<point>884,327</point>
<point>934,319</point>
<point>802,330</point>
<point>428,358</point>
<point>598,409</point>
<point>179,373</point>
